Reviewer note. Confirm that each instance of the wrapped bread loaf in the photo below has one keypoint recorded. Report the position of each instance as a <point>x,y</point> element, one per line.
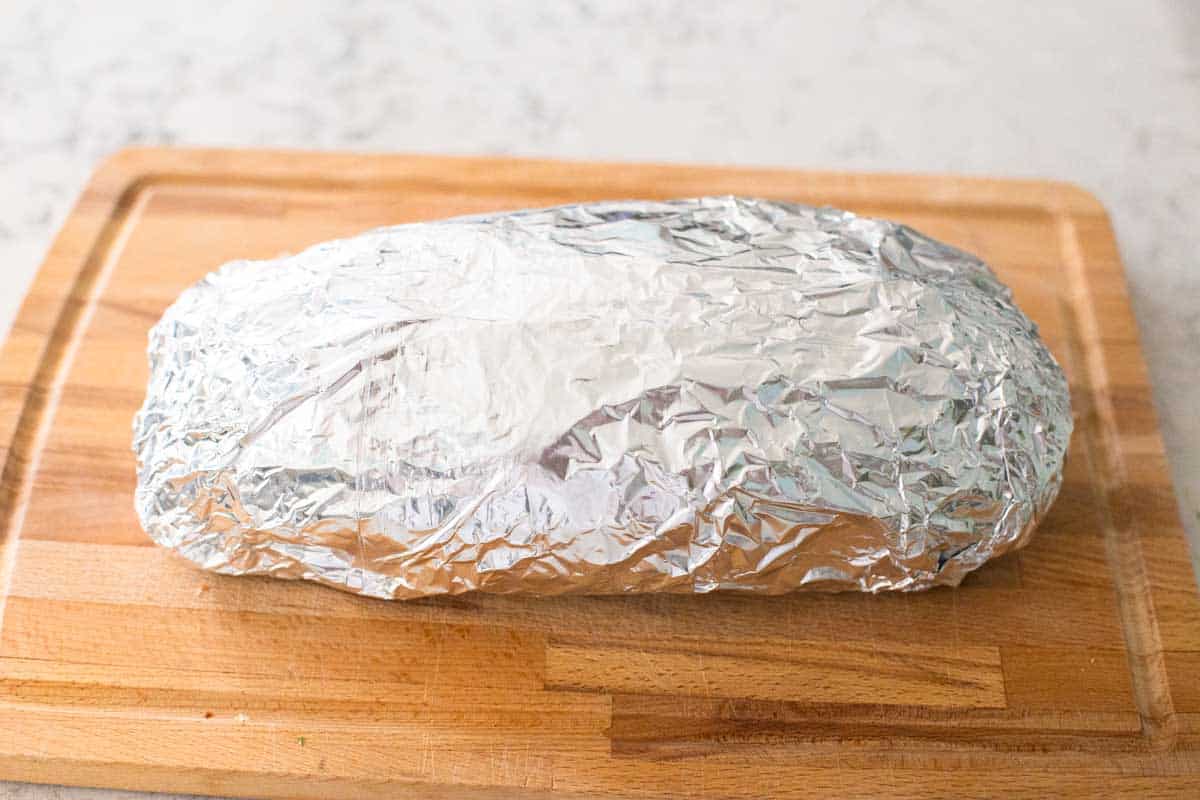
<point>686,396</point>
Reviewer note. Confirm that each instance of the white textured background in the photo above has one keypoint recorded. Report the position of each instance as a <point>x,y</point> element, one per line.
<point>1105,94</point>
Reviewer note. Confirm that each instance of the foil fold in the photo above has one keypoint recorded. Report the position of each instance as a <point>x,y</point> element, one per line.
<point>709,394</point>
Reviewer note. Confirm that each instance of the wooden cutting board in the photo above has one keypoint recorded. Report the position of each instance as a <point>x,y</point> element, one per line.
<point>1069,669</point>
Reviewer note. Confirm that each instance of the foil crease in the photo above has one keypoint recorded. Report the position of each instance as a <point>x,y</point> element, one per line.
<point>685,396</point>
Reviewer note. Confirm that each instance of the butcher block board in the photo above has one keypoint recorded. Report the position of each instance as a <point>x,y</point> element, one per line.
<point>1068,669</point>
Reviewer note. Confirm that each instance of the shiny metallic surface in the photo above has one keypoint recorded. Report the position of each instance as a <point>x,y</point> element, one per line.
<point>683,396</point>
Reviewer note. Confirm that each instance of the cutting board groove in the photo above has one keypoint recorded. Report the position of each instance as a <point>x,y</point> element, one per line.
<point>1053,669</point>
<point>1147,667</point>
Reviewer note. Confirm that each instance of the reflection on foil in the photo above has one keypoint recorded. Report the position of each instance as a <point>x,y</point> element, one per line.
<point>681,396</point>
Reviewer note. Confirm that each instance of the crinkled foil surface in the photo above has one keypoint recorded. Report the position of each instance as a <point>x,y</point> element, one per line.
<point>683,396</point>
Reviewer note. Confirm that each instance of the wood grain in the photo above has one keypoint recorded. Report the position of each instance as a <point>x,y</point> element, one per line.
<point>796,670</point>
<point>1060,671</point>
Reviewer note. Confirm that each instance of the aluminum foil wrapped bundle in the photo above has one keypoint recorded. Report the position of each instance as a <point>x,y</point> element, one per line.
<point>685,396</point>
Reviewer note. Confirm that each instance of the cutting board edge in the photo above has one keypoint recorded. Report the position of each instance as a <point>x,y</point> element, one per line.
<point>47,326</point>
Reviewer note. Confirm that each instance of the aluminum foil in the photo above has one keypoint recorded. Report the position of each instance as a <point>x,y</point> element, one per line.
<point>719,393</point>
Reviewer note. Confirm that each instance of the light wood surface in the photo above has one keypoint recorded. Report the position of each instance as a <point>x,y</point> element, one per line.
<point>1066,670</point>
